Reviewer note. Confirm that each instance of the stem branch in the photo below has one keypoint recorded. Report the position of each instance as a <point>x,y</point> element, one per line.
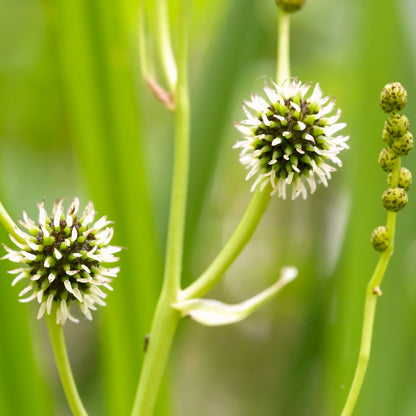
<point>232,249</point>
<point>166,318</point>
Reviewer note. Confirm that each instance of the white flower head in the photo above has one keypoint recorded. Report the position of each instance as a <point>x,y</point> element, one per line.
<point>62,258</point>
<point>289,140</point>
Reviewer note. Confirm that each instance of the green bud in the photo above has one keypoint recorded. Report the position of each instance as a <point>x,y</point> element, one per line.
<point>387,137</point>
<point>403,145</point>
<point>387,160</point>
<point>397,125</point>
<point>290,6</point>
<point>394,199</point>
<point>393,97</point>
<point>405,179</point>
<point>380,239</point>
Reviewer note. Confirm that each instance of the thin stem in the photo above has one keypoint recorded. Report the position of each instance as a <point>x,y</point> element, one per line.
<point>146,64</point>
<point>166,318</point>
<point>372,293</point>
<point>62,362</point>
<point>232,249</point>
<point>164,45</point>
<point>283,36</point>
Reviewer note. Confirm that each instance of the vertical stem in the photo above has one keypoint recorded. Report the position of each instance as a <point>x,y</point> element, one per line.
<point>166,318</point>
<point>62,362</point>
<point>372,293</point>
<point>283,35</point>
<point>164,46</point>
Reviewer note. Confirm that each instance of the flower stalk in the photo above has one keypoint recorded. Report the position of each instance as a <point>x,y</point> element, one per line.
<point>399,142</point>
<point>239,239</point>
<point>166,318</point>
<point>62,362</point>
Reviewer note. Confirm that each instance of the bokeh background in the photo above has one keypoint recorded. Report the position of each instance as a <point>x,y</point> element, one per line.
<point>76,119</point>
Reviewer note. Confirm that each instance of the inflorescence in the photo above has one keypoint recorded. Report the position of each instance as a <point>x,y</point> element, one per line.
<point>62,257</point>
<point>290,139</point>
<point>399,142</point>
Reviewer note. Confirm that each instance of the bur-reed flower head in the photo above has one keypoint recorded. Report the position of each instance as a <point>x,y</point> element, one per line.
<point>290,140</point>
<point>63,259</point>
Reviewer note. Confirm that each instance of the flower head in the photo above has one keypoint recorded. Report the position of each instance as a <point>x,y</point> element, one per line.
<point>62,259</point>
<point>290,139</point>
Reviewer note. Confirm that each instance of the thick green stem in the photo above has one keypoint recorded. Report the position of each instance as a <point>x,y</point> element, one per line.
<point>166,318</point>
<point>372,293</point>
<point>283,44</point>
<point>232,249</point>
<point>62,362</point>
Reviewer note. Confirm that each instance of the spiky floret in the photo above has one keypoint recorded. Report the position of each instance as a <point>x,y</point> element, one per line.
<point>290,139</point>
<point>63,257</point>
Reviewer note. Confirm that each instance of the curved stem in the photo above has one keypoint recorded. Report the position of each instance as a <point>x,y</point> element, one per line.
<point>232,249</point>
<point>64,368</point>
<point>166,318</point>
<point>283,35</point>
<point>372,293</point>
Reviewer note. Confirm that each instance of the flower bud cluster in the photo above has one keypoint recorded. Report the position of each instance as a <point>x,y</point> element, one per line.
<point>399,142</point>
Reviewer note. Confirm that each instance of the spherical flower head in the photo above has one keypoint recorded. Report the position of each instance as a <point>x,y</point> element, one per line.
<point>62,258</point>
<point>290,6</point>
<point>394,199</point>
<point>403,145</point>
<point>289,140</point>
<point>380,239</point>
<point>387,159</point>
<point>405,179</point>
<point>397,125</point>
<point>393,98</point>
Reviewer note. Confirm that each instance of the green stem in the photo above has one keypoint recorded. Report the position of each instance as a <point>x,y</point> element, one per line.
<point>62,362</point>
<point>163,41</point>
<point>372,293</point>
<point>283,35</point>
<point>232,249</point>
<point>166,318</point>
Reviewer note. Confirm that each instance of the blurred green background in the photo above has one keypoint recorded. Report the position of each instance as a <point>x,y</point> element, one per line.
<point>76,119</point>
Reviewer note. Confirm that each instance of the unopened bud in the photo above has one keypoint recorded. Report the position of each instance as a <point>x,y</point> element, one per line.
<point>403,145</point>
<point>387,137</point>
<point>290,6</point>
<point>387,160</point>
<point>380,239</point>
<point>397,125</point>
<point>405,179</point>
<point>393,97</point>
<point>394,199</point>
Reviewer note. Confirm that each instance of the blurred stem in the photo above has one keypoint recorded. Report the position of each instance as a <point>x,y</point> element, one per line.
<point>283,35</point>
<point>232,249</point>
<point>8,223</point>
<point>147,67</point>
<point>62,362</point>
<point>166,318</point>
<point>164,44</point>
<point>372,293</point>
<point>260,200</point>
